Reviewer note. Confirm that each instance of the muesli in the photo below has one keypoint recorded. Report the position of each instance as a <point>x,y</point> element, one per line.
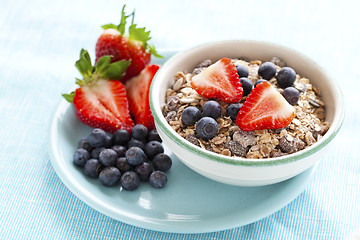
<point>307,125</point>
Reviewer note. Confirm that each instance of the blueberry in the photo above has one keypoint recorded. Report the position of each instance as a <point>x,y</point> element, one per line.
<point>92,168</point>
<point>259,81</point>
<point>267,70</point>
<point>247,85</point>
<point>108,157</point>
<point>80,157</point>
<point>123,165</point>
<point>130,181</point>
<point>96,152</point>
<point>143,171</point>
<point>158,179</point>
<point>190,115</point>
<point>153,135</point>
<point>109,176</point>
<point>139,132</point>
<point>108,141</point>
<point>286,77</point>
<point>291,95</point>
<point>232,110</point>
<point>120,150</point>
<point>162,162</point>
<point>212,109</point>
<point>98,138</point>
<point>135,143</point>
<point>121,137</point>
<point>242,71</point>
<point>206,128</point>
<point>135,156</point>
<point>152,148</point>
<point>84,143</point>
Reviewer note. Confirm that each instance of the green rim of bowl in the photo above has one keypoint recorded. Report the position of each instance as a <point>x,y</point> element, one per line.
<point>181,142</point>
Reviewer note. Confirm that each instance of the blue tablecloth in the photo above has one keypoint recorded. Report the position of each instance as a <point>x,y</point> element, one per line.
<point>39,43</point>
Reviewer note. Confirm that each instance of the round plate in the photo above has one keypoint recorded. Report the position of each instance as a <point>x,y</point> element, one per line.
<point>189,203</point>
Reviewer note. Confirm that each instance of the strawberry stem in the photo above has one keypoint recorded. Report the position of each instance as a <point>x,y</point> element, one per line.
<point>133,17</point>
<point>121,26</point>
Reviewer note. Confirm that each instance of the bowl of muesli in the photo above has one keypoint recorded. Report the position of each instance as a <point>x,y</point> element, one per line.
<point>246,113</point>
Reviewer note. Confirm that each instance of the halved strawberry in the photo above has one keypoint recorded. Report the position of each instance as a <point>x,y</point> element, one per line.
<point>119,45</point>
<point>103,105</point>
<point>220,80</point>
<point>137,89</point>
<point>99,102</point>
<point>265,108</point>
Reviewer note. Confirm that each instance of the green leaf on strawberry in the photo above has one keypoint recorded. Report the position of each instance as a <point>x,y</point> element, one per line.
<point>69,97</point>
<point>103,68</point>
<point>84,63</point>
<point>153,51</point>
<point>139,34</point>
<point>116,70</point>
<point>109,26</point>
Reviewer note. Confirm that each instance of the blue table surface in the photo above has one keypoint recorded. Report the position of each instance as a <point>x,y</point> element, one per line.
<point>39,43</point>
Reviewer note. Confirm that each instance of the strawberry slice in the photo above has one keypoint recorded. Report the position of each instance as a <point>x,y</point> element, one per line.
<point>220,80</point>
<point>265,108</point>
<point>100,102</point>
<point>137,89</point>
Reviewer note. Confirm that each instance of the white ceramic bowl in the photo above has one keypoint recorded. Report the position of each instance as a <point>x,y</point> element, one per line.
<point>236,170</point>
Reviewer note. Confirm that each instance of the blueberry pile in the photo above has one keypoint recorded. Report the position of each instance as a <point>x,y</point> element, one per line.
<point>123,158</point>
<point>206,126</point>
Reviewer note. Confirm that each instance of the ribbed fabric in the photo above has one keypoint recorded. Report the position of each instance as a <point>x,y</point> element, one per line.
<point>39,44</point>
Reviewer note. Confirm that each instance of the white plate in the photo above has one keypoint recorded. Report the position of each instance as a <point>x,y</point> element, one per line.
<point>189,203</point>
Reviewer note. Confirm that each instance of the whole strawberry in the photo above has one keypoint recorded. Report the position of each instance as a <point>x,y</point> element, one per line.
<point>101,102</point>
<point>120,45</point>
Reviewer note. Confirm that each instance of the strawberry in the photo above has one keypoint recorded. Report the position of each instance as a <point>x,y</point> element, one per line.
<point>100,102</point>
<point>137,89</point>
<point>220,80</point>
<point>265,108</point>
<point>133,46</point>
